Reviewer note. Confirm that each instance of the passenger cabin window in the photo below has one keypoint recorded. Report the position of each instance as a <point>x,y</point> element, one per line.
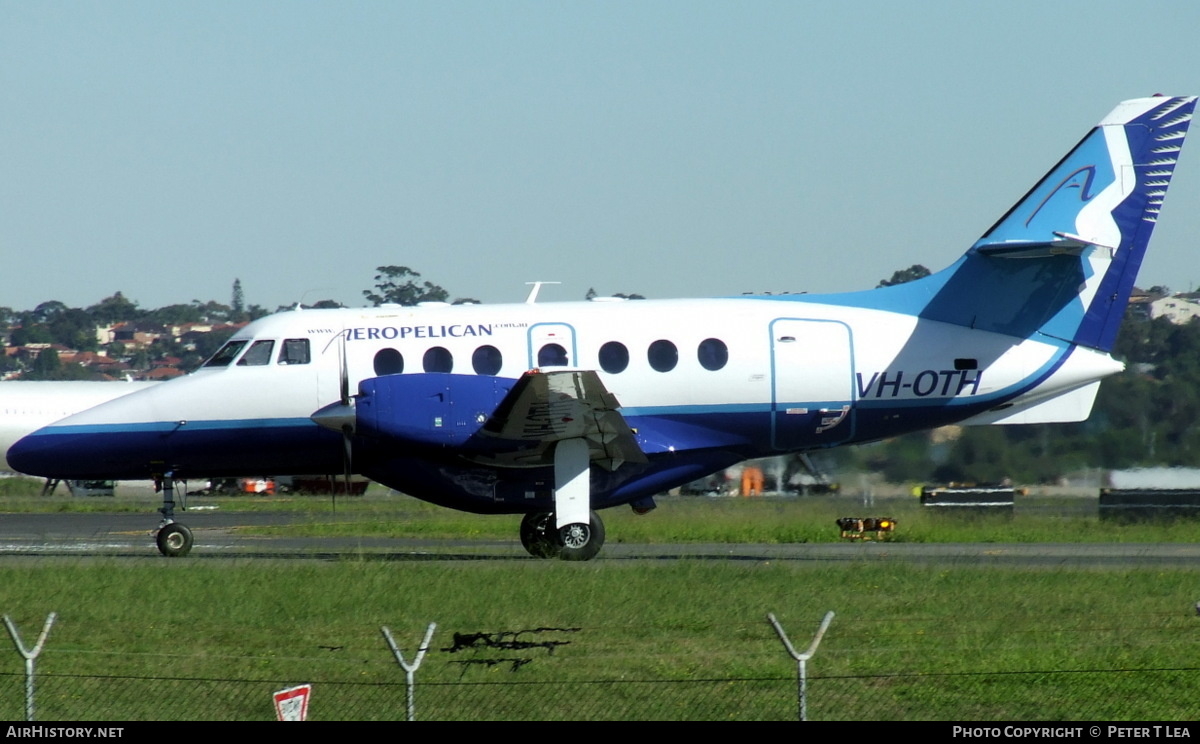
<point>226,354</point>
<point>487,360</point>
<point>295,351</point>
<point>388,362</point>
<point>614,357</point>
<point>438,359</point>
<point>552,355</point>
<point>258,355</point>
<point>713,354</point>
<point>663,356</point>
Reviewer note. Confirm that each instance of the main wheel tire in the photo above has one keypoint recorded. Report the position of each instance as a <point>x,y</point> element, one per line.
<point>581,542</point>
<point>538,536</point>
<point>174,540</point>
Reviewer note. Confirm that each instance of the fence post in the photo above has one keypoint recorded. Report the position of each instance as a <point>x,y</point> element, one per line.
<point>29,655</point>
<point>409,669</point>
<point>802,659</point>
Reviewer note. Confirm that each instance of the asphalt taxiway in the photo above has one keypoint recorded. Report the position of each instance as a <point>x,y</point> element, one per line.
<point>217,535</point>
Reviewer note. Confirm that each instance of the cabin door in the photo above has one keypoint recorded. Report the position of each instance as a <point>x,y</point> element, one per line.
<point>812,385</point>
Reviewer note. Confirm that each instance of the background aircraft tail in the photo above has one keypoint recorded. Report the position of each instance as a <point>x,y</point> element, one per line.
<point>1063,260</point>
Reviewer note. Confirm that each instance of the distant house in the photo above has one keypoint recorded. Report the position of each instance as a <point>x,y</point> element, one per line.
<point>132,335</point>
<point>95,361</point>
<point>1140,302</point>
<point>85,358</point>
<point>162,373</point>
<point>29,352</point>
<point>191,337</point>
<point>1178,309</point>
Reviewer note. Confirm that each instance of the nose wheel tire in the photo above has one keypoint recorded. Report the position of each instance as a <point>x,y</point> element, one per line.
<point>174,540</point>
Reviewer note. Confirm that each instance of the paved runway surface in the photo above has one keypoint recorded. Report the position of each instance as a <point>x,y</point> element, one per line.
<point>132,536</point>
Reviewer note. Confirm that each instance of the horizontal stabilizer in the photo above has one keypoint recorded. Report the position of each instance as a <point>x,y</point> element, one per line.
<point>1063,245</point>
<point>1070,407</point>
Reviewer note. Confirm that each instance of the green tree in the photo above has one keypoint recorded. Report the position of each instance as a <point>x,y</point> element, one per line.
<point>254,312</point>
<point>238,303</point>
<point>47,366</point>
<point>48,311</point>
<point>54,322</point>
<point>114,309</point>
<point>591,295</point>
<point>912,273</point>
<point>29,332</point>
<point>176,314</point>
<point>75,329</point>
<point>8,316</point>
<point>140,359</point>
<point>397,285</point>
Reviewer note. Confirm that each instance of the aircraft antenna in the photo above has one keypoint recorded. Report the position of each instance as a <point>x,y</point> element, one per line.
<point>533,293</point>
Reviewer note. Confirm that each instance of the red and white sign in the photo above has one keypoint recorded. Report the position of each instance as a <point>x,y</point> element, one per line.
<point>292,704</point>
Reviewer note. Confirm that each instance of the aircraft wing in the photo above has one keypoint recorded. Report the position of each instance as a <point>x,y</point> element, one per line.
<point>547,407</point>
<point>496,420</point>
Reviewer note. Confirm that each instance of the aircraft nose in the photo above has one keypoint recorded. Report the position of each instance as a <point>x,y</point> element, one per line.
<point>33,454</point>
<point>67,452</point>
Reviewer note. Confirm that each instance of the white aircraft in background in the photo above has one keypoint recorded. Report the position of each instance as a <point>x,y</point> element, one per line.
<point>556,410</point>
<point>26,406</point>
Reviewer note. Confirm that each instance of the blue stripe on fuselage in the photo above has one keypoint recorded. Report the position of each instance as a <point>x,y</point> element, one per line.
<point>164,427</point>
<point>282,446</point>
<point>192,450</point>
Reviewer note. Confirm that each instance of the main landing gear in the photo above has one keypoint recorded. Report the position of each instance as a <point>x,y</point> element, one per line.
<point>173,539</point>
<point>572,531</point>
<point>571,542</point>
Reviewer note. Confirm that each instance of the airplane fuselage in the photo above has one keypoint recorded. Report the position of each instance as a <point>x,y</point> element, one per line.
<point>26,406</point>
<point>703,384</point>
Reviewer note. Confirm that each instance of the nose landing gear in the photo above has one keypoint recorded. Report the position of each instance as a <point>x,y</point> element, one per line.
<point>173,539</point>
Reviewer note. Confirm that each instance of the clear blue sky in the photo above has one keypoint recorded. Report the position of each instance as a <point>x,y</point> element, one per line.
<point>668,148</point>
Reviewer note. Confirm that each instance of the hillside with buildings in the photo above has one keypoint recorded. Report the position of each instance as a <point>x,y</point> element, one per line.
<point>115,339</point>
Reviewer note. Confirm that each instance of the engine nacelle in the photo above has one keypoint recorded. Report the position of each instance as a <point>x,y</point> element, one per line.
<point>439,409</point>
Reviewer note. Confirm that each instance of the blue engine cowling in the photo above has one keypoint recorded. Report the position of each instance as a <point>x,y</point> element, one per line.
<point>432,409</point>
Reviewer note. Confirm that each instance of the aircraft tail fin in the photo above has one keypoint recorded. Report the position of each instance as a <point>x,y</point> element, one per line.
<point>1063,260</point>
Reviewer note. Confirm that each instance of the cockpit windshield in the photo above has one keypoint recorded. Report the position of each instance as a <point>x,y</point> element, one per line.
<point>226,354</point>
<point>295,351</point>
<point>258,355</point>
<point>261,352</point>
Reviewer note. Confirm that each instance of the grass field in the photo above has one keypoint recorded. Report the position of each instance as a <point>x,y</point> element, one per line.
<point>650,639</point>
<point>619,622</point>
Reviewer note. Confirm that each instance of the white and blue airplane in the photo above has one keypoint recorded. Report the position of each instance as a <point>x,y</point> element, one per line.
<point>557,410</point>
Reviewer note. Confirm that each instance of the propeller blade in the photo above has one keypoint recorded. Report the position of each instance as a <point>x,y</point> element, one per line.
<point>344,377</point>
<point>347,455</point>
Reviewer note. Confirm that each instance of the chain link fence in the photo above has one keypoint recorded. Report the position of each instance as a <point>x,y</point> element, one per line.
<point>1130,694</point>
